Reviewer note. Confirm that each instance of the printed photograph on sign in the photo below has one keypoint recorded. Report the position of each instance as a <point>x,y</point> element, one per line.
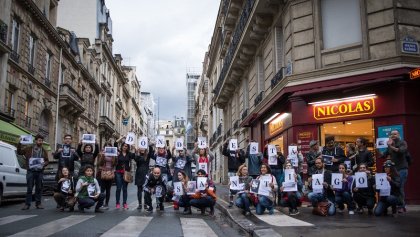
<point>289,187</point>
<point>271,150</point>
<point>192,186</point>
<point>272,160</point>
<point>361,180</point>
<point>36,163</point>
<point>385,192</point>
<point>160,141</point>
<point>382,142</point>
<point>253,148</point>
<point>233,144</point>
<point>89,138</point>
<point>111,151</point>
<point>255,183</point>
<point>91,188</point>
<point>328,159</point>
<point>65,186</point>
<point>161,161</point>
<point>158,191</point>
<point>130,138</point>
<point>26,139</point>
<point>143,143</point>
<point>66,150</point>
<point>203,166</point>
<point>202,142</point>
<point>180,163</point>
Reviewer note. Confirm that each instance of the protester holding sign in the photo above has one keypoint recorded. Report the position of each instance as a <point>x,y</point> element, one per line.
<point>123,165</point>
<point>350,161</point>
<point>180,192</point>
<point>65,190</point>
<point>66,155</point>
<point>343,194</point>
<point>36,160</point>
<point>363,154</point>
<point>389,198</point>
<point>88,155</point>
<point>290,199</point>
<point>142,159</point>
<point>266,190</point>
<point>154,184</point>
<point>333,150</point>
<point>255,159</point>
<point>182,162</point>
<point>397,151</point>
<point>161,159</point>
<point>106,174</point>
<point>312,155</point>
<point>236,157</point>
<point>242,200</point>
<point>88,191</point>
<point>203,157</point>
<point>321,190</point>
<point>206,197</point>
<point>276,160</point>
<point>364,196</point>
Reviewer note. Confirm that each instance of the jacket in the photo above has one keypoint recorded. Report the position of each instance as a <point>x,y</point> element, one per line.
<point>254,162</point>
<point>66,161</point>
<point>234,159</point>
<point>87,158</point>
<point>398,157</point>
<point>28,151</point>
<point>338,153</point>
<point>123,162</point>
<point>142,164</point>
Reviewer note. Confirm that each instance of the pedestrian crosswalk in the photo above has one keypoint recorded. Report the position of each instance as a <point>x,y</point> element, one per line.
<point>131,226</point>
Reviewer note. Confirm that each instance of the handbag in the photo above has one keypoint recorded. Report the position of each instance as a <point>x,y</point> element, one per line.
<point>254,199</point>
<point>321,209</point>
<point>128,177</point>
<point>107,175</point>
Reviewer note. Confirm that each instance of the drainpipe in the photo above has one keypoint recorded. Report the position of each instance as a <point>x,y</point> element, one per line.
<point>58,99</point>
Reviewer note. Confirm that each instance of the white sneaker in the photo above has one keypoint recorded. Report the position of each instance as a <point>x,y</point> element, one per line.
<point>351,212</point>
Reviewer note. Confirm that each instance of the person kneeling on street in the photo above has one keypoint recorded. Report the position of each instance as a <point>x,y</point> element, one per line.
<point>64,192</point>
<point>89,191</point>
<point>243,200</point>
<point>266,201</point>
<point>365,196</point>
<point>154,184</point>
<point>389,199</point>
<point>204,198</point>
<point>291,199</point>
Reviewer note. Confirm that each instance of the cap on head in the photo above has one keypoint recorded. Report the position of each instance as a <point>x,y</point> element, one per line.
<point>313,143</point>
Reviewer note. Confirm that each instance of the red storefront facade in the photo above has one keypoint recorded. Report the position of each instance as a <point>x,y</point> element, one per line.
<point>370,103</point>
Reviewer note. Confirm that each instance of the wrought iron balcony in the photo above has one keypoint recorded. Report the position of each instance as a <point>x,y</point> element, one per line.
<point>31,69</point>
<point>219,130</point>
<point>244,114</point>
<point>3,32</point>
<point>277,78</point>
<point>259,98</point>
<point>14,56</point>
<point>106,123</point>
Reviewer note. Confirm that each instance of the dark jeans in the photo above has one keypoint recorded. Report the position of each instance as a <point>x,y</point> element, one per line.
<point>33,178</point>
<point>277,173</point>
<point>344,197</point>
<point>106,188</point>
<point>243,202</point>
<point>88,201</point>
<point>403,179</point>
<point>148,199</point>
<point>121,184</point>
<point>140,193</point>
<point>292,201</point>
<point>203,202</point>
<point>264,203</point>
<point>364,201</point>
<point>384,203</point>
<point>184,201</point>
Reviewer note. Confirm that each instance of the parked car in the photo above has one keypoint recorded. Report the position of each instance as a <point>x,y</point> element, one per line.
<point>49,183</point>
<point>12,173</point>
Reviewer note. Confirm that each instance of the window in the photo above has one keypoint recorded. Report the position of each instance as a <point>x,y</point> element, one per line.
<point>341,23</point>
<point>48,60</point>
<point>245,94</point>
<point>260,74</point>
<point>15,35</point>
<point>9,101</point>
<point>279,48</point>
<point>27,108</point>
<point>62,73</point>
<point>32,45</point>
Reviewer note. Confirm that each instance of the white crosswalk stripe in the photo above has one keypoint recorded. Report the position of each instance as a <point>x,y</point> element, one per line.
<point>53,226</point>
<point>193,227</point>
<point>130,227</point>
<point>13,218</point>
<point>280,219</point>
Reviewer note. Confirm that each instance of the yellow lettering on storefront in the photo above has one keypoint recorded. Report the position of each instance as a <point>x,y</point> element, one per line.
<point>345,109</point>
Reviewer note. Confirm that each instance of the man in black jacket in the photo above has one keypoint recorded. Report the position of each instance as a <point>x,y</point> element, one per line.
<point>235,159</point>
<point>66,156</point>
<point>154,184</point>
<point>334,151</point>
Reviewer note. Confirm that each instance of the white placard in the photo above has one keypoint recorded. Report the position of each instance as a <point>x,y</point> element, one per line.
<point>348,164</point>
<point>158,191</point>
<point>385,192</point>
<point>361,180</point>
<point>160,141</point>
<point>201,183</point>
<point>178,190</point>
<point>192,186</point>
<point>271,150</point>
<point>293,153</point>
<point>382,142</point>
<point>289,176</point>
<point>26,139</point>
<point>91,189</point>
<point>203,166</point>
<point>337,180</point>
<point>317,181</point>
<point>111,151</point>
<point>289,187</point>
<point>143,143</point>
<point>89,138</point>
<point>233,144</point>
<point>272,160</point>
<point>65,186</point>
<point>234,183</point>
<point>130,138</point>
<point>253,148</point>
<point>255,183</point>
<point>180,163</point>
<point>202,142</point>
<point>161,161</point>
<point>381,181</point>
<point>294,161</point>
<point>36,163</point>
<point>264,188</point>
<point>179,144</point>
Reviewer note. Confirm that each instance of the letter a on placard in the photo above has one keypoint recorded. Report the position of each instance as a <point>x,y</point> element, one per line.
<point>130,138</point>
<point>233,144</point>
<point>201,183</point>
<point>179,144</point>
<point>143,143</point>
<point>361,180</point>
<point>202,142</point>
<point>253,148</point>
<point>160,141</point>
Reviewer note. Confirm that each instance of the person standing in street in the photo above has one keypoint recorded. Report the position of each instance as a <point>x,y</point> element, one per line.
<point>106,174</point>
<point>202,157</point>
<point>363,154</point>
<point>254,162</point>
<point>397,153</point>
<point>36,160</point>
<point>276,166</point>
<point>123,165</point>
<point>182,162</point>
<point>66,155</point>
<point>235,159</point>
<point>142,159</point>
<point>335,152</point>
<point>88,155</point>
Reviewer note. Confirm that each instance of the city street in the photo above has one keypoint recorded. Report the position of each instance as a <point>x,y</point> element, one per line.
<point>50,222</point>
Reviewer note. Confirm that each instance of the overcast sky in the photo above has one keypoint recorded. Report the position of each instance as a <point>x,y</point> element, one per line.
<point>163,39</point>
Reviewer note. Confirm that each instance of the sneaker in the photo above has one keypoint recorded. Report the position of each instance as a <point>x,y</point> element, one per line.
<point>39,206</point>
<point>271,211</point>
<point>81,209</point>
<point>187,211</point>
<point>351,212</point>
<point>139,207</point>
<point>294,212</point>
<point>230,204</point>
<point>161,208</point>
<point>150,209</point>
<point>247,213</point>
<point>26,207</point>
<point>105,207</point>
<point>99,211</point>
<point>118,206</point>
<point>145,207</point>
<point>359,210</point>
<point>125,206</point>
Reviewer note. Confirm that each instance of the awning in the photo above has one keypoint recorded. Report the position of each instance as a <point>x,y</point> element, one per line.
<point>10,133</point>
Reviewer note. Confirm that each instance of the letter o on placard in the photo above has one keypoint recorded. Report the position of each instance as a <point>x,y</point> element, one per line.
<point>361,180</point>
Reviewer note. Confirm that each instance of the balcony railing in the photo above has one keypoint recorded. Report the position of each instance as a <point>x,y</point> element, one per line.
<point>244,114</point>
<point>8,111</point>
<point>28,121</point>
<point>225,6</point>
<point>236,125</point>
<point>31,69</point>
<point>259,98</point>
<point>14,56</point>
<point>47,82</point>
<point>277,78</point>
<point>3,32</point>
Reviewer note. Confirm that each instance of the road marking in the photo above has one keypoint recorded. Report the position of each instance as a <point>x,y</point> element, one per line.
<point>130,227</point>
<point>193,227</point>
<point>13,218</point>
<point>54,226</point>
<point>279,219</point>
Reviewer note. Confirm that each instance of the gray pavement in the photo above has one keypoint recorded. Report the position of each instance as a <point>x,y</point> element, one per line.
<point>306,224</point>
